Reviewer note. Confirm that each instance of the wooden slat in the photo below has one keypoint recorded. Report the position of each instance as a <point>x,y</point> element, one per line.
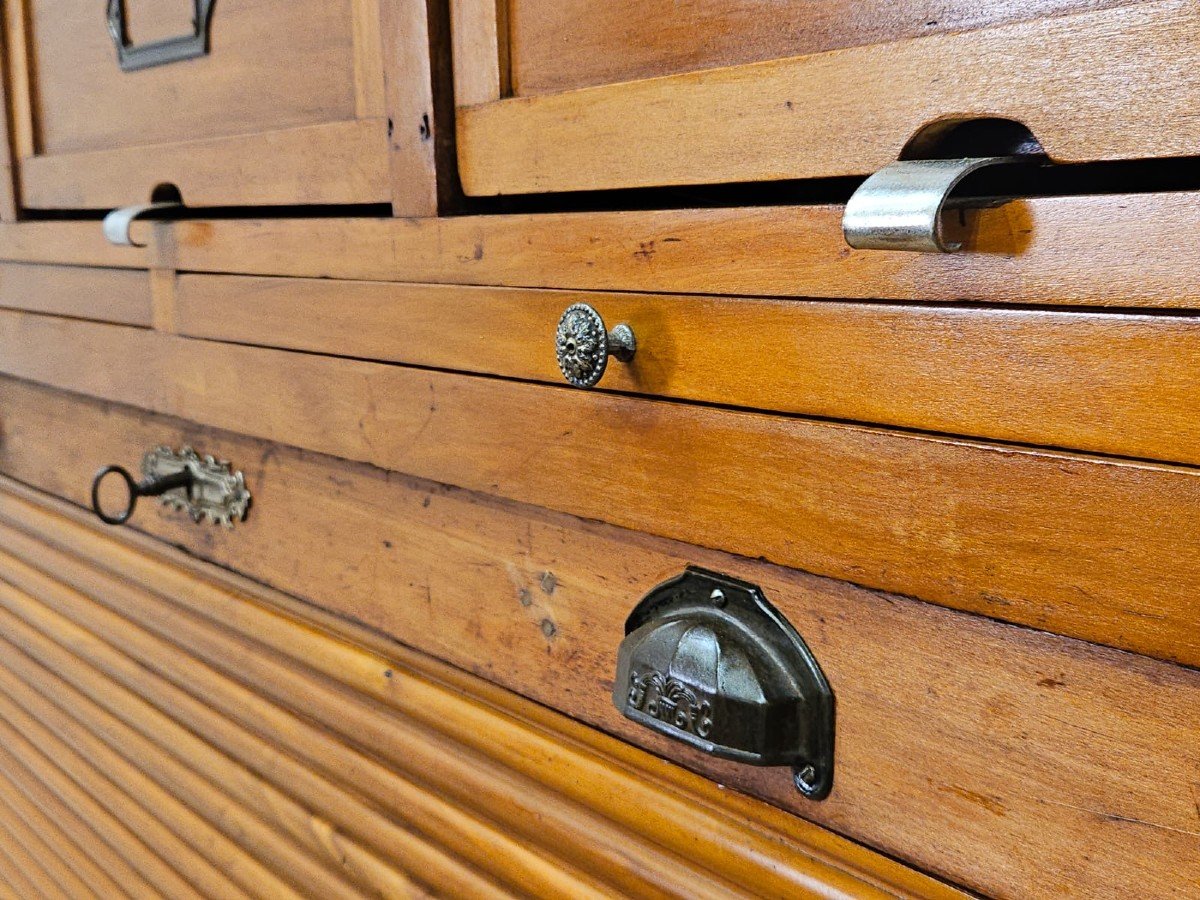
<point>67,243</point>
<point>110,870</point>
<point>74,786</point>
<point>528,873</point>
<point>1092,548</point>
<point>191,771</point>
<point>812,116</point>
<point>1107,383</point>
<point>1104,741</point>
<point>20,727</point>
<point>225,856</point>
<point>340,162</point>
<point>466,781</point>
<point>480,48</point>
<point>106,295</point>
<point>564,44</point>
<point>34,831</point>
<point>416,146</point>
<point>769,844</point>
<point>41,885</point>
<point>1086,250</point>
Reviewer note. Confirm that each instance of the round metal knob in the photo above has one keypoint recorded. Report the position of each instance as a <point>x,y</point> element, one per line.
<point>584,345</point>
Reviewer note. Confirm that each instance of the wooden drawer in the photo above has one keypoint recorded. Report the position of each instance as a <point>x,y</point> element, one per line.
<point>168,730</point>
<point>547,102</point>
<point>936,709</point>
<point>1097,548</point>
<point>289,105</point>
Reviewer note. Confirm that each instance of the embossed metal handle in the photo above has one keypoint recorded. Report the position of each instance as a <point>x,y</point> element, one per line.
<point>147,487</point>
<point>583,345</point>
<point>159,53</point>
<point>202,486</point>
<point>707,661</point>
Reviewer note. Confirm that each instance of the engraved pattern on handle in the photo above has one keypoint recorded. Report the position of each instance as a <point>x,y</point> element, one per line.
<point>583,345</point>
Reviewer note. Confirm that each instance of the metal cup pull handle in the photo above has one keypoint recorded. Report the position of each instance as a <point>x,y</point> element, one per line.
<point>158,53</point>
<point>202,486</point>
<point>583,345</point>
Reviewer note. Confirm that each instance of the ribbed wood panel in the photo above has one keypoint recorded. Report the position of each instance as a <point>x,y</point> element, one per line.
<point>167,732</point>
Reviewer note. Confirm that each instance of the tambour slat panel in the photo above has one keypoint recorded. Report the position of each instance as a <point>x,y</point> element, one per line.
<point>80,877</point>
<point>1091,548</point>
<point>108,869</point>
<point>1104,741</point>
<point>1103,382</point>
<point>96,660</point>
<point>135,834</point>
<point>176,868</point>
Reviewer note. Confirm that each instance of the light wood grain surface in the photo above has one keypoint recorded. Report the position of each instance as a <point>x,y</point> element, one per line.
<point>936,709</point>
<point>1110,383</point>
<point>562,44</point>
<point>1119,250</point>
<point>205,687</point>
<point>1109,84</point>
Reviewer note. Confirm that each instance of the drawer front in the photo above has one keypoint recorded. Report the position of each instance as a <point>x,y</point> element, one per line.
<point>839,112</point>
<point>1026,376</point>
<point>285,103</point>
<point>935,709</point>
<point>1097,548</point>
<point>168,730</point>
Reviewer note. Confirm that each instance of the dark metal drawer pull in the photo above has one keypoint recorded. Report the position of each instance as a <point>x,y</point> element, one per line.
<point>583,345</point>
<point>708,661</point>
<point>204,487</point>
<point>159,53</point>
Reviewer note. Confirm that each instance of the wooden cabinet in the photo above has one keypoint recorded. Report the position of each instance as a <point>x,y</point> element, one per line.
<point>288,105</point>
<point>1089,80</point>
<point>961,486</point>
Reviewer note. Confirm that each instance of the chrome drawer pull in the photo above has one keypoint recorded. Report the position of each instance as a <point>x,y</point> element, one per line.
<point>117,224</point>
<point>583,345</point>
<point>900,206</point>
<point>159,53</point>
<point>204,487</point>
<point>708,661</point>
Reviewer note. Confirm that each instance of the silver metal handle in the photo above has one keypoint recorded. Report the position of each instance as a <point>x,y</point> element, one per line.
<point>159,53</point>
<point>583,345</point>
<point>900,206</point>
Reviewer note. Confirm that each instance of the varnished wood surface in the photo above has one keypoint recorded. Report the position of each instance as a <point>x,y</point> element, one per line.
<point>1117,384</point>
<point>336,163</point>
<point>106,295</point>
<point>240,714</point>
<point>1093,548</point>
<point>273,65</point>
<point>67,243</point>
<point>936,710</point>
<point>1086,251</point>
<point>1109,84</point>
<point>562,44</point>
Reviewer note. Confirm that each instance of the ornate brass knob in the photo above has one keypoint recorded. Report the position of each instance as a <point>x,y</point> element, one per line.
<point>584,345</point>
